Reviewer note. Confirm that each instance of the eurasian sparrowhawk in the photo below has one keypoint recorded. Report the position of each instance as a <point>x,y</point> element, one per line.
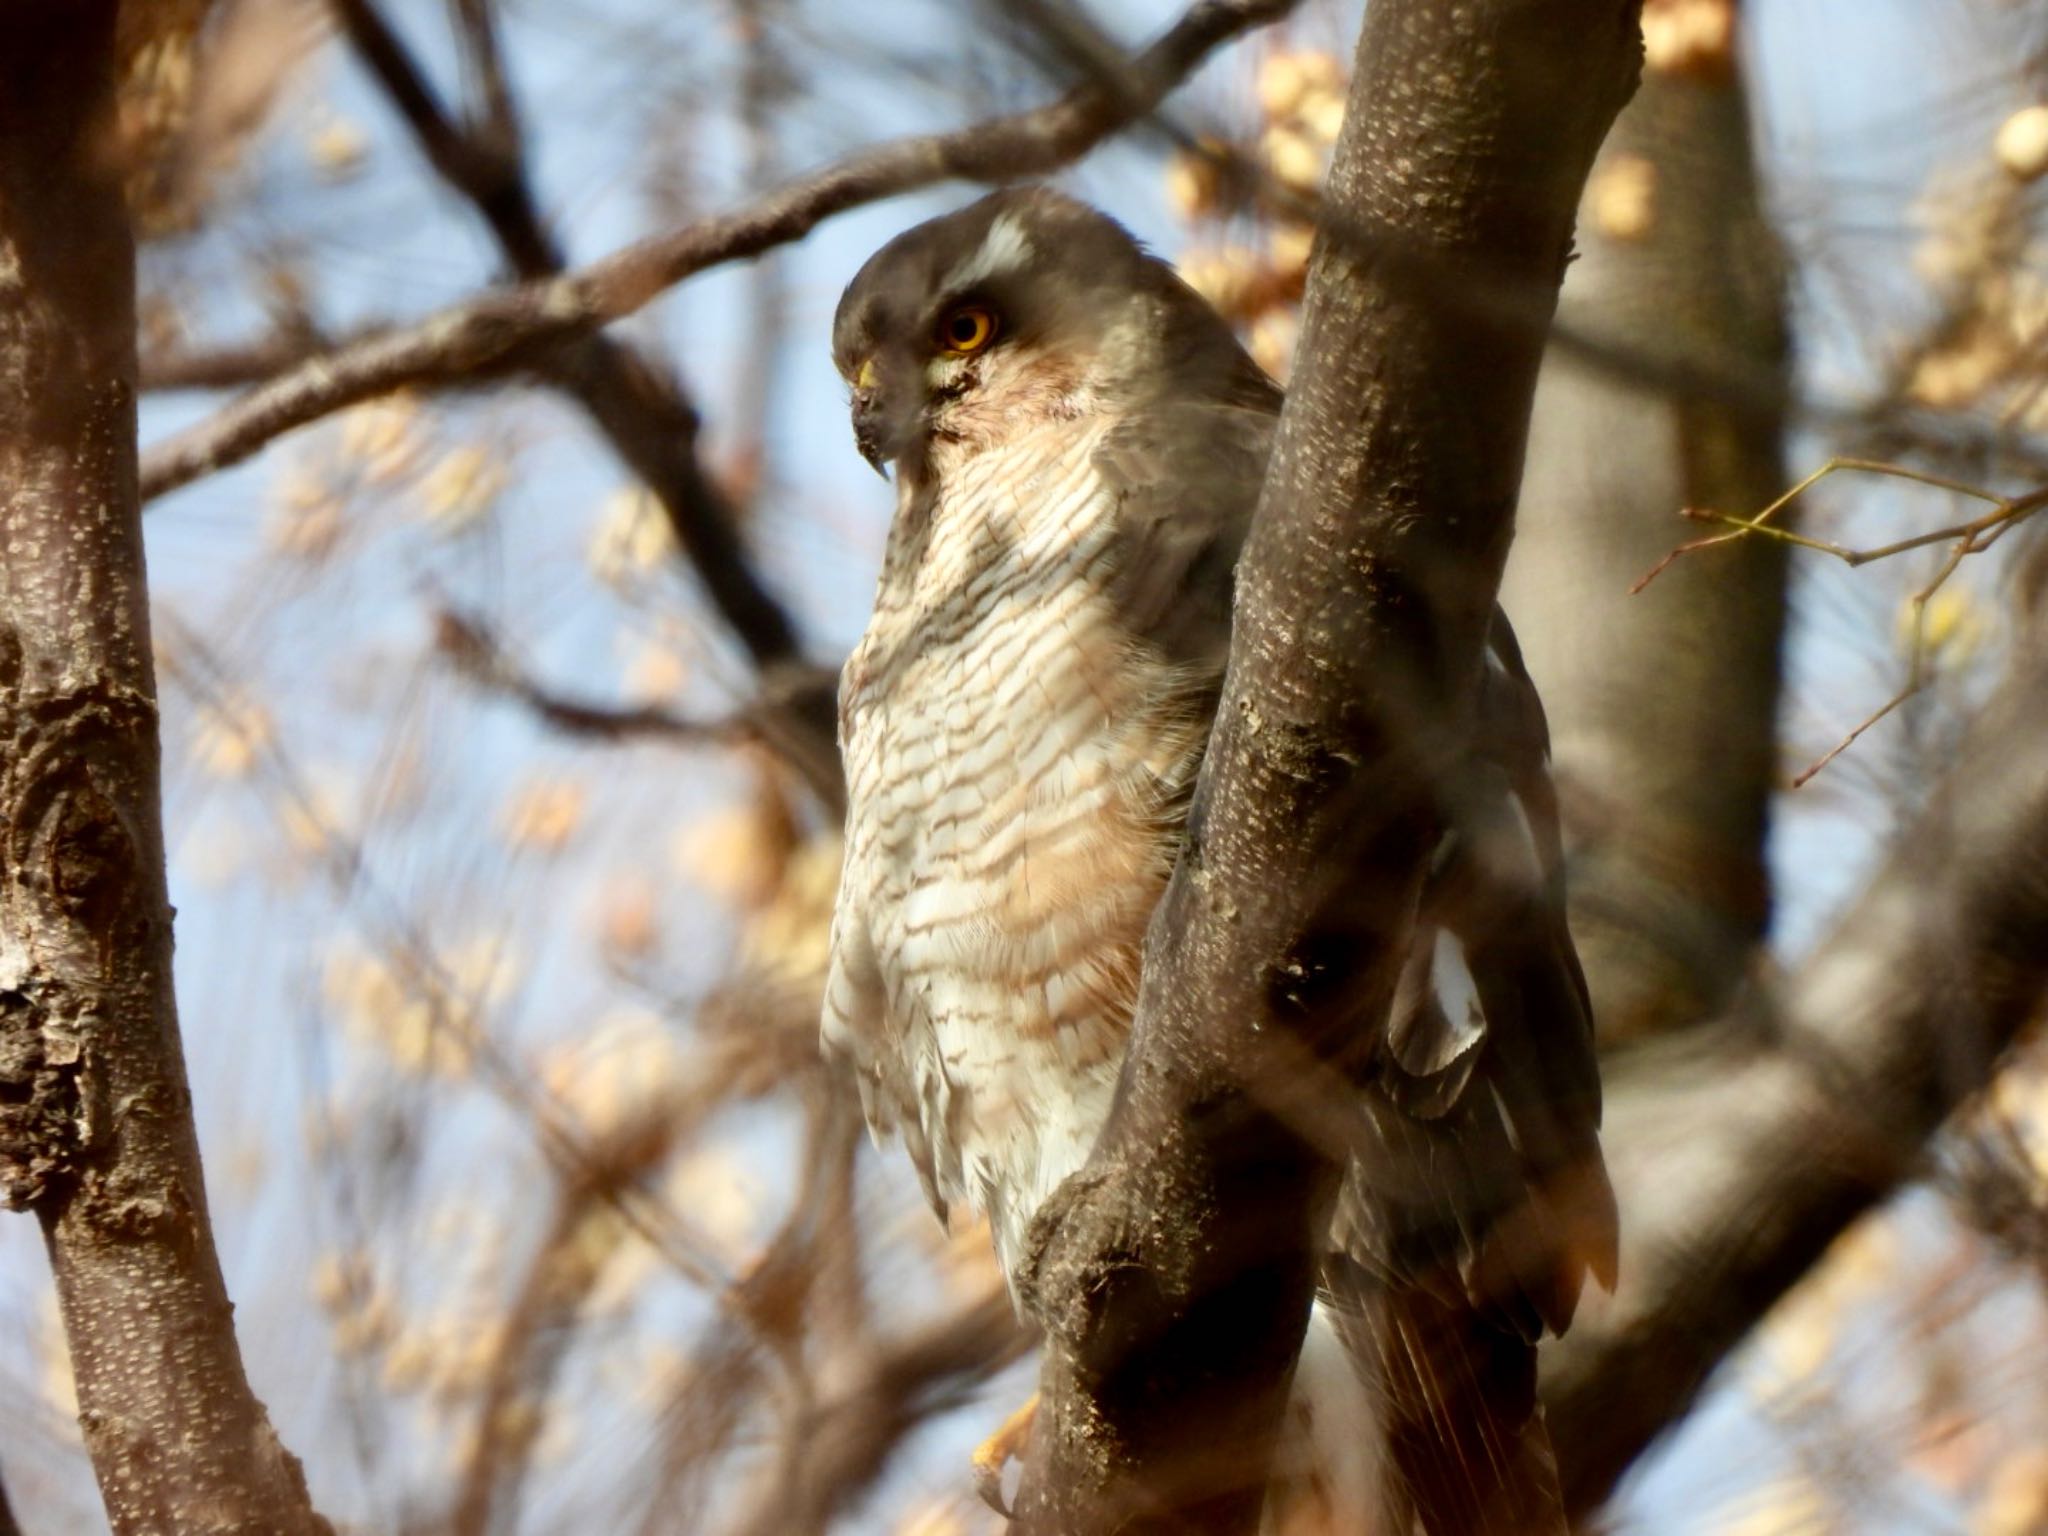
<point>1079,442</point>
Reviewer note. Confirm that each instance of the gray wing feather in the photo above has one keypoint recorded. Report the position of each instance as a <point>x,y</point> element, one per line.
<point>1186,480</point>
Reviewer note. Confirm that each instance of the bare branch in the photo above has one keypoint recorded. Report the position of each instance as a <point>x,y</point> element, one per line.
<point>481,657</point>
<point>639,407</point>
<point>488,173</point>
<point>1762,526</point>
<point>509,327</point>
<point>846,1439</point>
<point>229,367</point>
<point>792,717</point>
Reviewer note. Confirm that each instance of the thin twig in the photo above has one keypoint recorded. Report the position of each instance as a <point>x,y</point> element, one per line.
<point>1740,527</point>
<point>188,661</point>
<point>791,717</point>
<point>1964,539</point>
<point>476,652</point>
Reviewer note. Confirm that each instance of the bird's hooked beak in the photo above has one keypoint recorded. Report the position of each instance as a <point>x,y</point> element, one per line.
<point>871,428</point>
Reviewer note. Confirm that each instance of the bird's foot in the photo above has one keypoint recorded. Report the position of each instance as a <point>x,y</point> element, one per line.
<point>994,1455</point>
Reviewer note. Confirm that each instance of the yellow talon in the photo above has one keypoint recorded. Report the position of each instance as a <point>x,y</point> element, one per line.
<point>994,1455</point>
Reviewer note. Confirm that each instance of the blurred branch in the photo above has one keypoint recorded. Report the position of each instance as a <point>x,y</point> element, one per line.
<point>765,86</point>
<point>1663,713</point>
<point>540,1324</point>
<point>488,170</point>
<point>513,325</point>
<point>1740,1154</point>
<point>830,1447</point>
<point>479,656</point>
<point>229,367</point>
<point>184,657</point>
<point>792,716</point>
<point>484,61</point>
<point>789,1295</point>
<point>1993,1178</point>
<point>847,1438</point>
<point>1173,1274</point>
<point>640,409</point>
<point>712,1393</point>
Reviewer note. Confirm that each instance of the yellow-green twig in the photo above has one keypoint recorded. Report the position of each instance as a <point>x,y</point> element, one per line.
<point>1964,539</point>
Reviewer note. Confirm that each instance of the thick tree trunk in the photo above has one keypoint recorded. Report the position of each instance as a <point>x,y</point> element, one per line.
<point>1663,706</point>
<point>95,1120</point>
<point>1175,1271</point>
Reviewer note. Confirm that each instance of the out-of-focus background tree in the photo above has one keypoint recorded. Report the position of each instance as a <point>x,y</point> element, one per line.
<point>502,813</point>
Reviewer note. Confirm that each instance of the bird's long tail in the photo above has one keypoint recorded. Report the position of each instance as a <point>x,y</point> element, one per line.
<point>1466,1449</point>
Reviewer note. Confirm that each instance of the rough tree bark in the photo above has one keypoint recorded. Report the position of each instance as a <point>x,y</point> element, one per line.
<point>1742,1151</point>
<point>1174,1273</point>
<point>1663,706</point>
<point>96,1129</point>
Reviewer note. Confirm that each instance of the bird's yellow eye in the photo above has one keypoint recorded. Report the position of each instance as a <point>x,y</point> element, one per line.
<point>967,329</point>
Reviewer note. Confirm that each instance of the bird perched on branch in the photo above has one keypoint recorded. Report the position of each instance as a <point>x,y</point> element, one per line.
<point>1079,443</point>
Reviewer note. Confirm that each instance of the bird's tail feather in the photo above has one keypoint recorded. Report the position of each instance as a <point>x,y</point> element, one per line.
<point>1465,1445</point>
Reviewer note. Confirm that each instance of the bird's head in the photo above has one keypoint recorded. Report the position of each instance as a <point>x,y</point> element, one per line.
<point>1021,307</point>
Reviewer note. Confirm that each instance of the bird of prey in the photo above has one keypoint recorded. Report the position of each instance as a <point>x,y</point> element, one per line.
<point>1079,441</point>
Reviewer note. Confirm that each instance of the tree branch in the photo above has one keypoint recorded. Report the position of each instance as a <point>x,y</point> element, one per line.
<point>1175,1271</point>
<point>792,717</point>
<point>1741,1155</point>
<point>234,366</point>
<point>9,1525</point>
<point>639,408</point>
<point>511,326</point>
<point>96,1132</point>
<point>540,1324</point>
<point>846,1439</point>
<point>479,655</point>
